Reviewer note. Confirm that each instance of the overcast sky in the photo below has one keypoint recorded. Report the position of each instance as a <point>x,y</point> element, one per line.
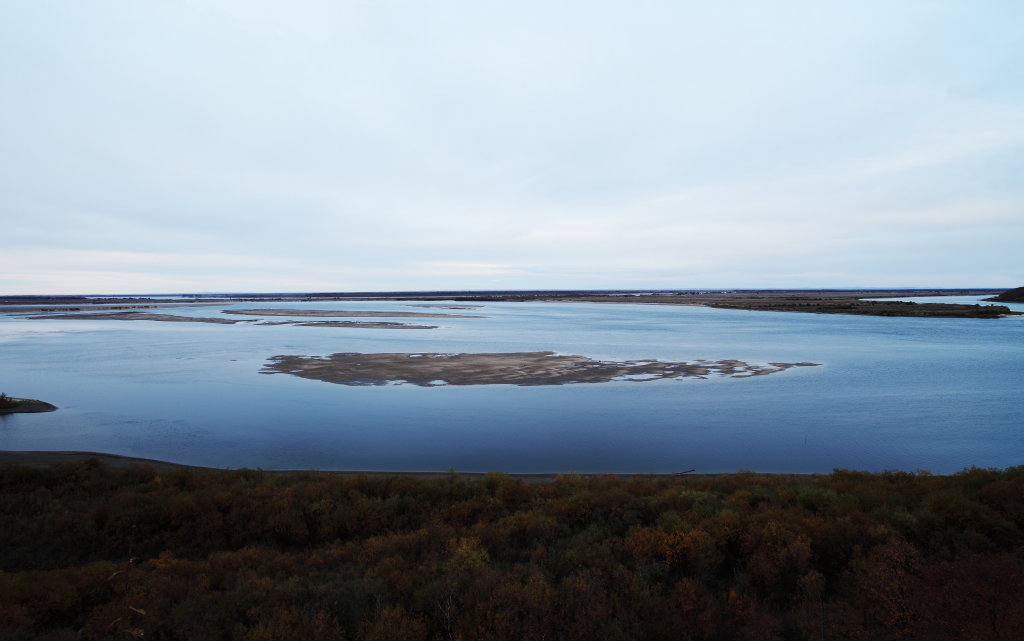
<point>261,145</point>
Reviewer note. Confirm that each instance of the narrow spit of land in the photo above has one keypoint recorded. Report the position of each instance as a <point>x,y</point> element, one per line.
<point>11,405</point>
<point>343,313</point>
<point>354,324</point>
<point>1015,295</point>
<point>172,318</point>
<point>137,316</point>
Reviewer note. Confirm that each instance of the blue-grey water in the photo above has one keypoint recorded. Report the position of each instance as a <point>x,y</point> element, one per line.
<point>891,393</point>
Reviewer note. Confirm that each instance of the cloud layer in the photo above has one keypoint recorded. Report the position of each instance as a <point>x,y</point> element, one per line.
<point>262,146</point>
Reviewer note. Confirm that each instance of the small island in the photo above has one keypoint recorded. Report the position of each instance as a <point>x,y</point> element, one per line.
<point>11,405</point>
<point>512,368</point>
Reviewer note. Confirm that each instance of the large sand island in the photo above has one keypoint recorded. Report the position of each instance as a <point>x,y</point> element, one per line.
<point>510,368</point>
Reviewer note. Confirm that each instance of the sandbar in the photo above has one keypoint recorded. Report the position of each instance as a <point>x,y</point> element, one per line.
<point>138,316</point>
<point>358,324</point>
<point>440,306</point>
<point>39,309</point>
<point>226,321</point>
<point>509,368</point>
<point>343,313</point>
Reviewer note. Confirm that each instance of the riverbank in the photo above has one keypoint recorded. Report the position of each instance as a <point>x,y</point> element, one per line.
<point>10,405</point>
<point>47,459</point>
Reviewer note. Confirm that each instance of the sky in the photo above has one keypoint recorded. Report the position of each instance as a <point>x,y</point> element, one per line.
<point>266,146</point>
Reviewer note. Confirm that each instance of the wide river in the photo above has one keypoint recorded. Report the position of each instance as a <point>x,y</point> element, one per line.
<point>891,393</point>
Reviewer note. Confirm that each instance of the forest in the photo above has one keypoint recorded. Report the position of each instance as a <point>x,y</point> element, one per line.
<point>96,552</point>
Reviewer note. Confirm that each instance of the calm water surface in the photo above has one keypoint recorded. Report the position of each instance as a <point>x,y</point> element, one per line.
<point>892,393</point>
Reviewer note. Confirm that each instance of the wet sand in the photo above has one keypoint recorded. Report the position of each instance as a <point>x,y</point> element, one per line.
<point>512,368</point>
<point>342,313</point>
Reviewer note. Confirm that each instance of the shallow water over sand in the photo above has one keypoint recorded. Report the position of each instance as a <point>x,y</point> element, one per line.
<point>892,393</point>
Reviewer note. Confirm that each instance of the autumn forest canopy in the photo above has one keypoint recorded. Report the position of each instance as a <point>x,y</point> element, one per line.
<point>96,552</point>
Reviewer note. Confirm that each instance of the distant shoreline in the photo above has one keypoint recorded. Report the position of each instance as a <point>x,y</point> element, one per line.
<point>815,301</point>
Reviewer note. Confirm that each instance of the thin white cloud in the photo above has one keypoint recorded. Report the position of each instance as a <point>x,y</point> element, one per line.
<point>462,268</point>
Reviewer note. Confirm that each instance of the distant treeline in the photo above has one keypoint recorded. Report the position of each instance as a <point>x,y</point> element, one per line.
<point>94,552</point>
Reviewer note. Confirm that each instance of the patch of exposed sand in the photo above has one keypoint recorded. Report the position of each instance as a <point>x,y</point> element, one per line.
<point>512,368</point>
<point>138,316</point>
<point>343,313</point>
